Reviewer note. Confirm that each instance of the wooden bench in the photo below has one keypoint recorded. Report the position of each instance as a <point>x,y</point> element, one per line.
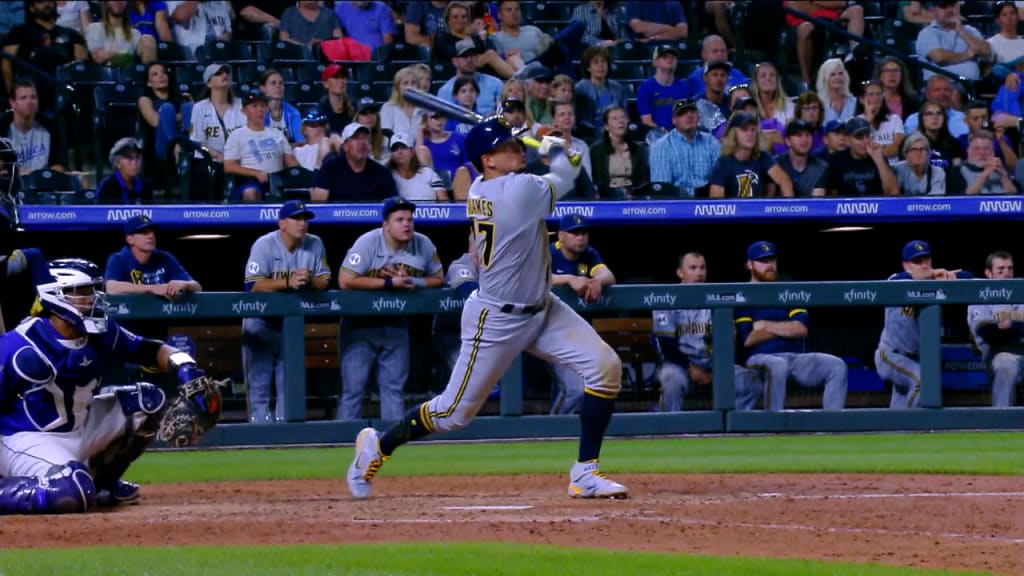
<point>219,348</point>
<point>631,339</point>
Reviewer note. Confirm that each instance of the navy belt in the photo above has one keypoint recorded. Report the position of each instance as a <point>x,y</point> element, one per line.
<point>514,309</point>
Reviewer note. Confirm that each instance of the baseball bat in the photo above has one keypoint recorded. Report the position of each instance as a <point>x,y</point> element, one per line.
<point>428,101</point>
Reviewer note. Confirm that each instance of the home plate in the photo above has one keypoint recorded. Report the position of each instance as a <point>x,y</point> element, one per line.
<point>486,507</point>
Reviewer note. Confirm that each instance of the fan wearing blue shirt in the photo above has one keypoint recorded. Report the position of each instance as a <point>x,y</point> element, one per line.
<point>576,264</point>
<point>141,268</point>
<point>656,95</point>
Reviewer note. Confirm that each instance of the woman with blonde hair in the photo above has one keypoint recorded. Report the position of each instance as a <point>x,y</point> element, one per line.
<point>515,89</point>
<point>742,169</point>
<point>423,76</point>
<point>398,114</point>
<point>772,101</point>
<point>113,41</point>
<point>833,87</point>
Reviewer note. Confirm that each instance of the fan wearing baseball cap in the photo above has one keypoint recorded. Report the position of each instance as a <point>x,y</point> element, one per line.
<point>742,169</point>
<point>218,112</point>
<point>808,173</point>
<point>353,176</point>
<point>335,105</point>
<point>861,169</point>
<point>254,152</point>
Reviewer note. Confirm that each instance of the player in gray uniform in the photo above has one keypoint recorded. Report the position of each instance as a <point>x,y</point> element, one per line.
<point>392,257</point>
<point>513,310</point>
<point>998,331</point>
<point>896,358</point>
<point>684,343</point>
<point>461,277</point>
<point>288,258</point>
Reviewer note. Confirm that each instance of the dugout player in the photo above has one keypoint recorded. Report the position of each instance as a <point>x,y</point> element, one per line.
<point>774,341</point>
<point>64,441</point>
<point>287,259</point>
<point>575,263</point>
<point>683,338</point>
<point>998,331</point>
<point>141,268</point>
<point>896,358</point>
<point>392,257</point>
<point>512,311</point>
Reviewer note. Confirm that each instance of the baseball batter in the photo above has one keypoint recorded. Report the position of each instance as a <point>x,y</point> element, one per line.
<point>684,342</point>
<point>896,358</point>
<point>998,331</point>
<point>774,341</point>
<point>512,310</point>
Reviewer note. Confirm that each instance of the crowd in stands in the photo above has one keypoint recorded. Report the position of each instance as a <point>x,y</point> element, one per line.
<point>257,101</point>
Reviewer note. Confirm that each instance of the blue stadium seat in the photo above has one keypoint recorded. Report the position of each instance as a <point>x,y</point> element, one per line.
<point>133,74</point>
<point>231,52</point>
<point>628,71</point>
<point>630,50</point>
<point>285,53</point>
<point>655,191</point>
<point>51,187</point>
<point>291,183</point>
<point>115,116</point>
<point>308,72</point>
<point>174,53</point>
<point>86,73</point>
<point>401,51</point>
<point>304,92</point>
<point>381,91</point>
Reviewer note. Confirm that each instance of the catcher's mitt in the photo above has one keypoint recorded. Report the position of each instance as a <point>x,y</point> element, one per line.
<point>195,410</point>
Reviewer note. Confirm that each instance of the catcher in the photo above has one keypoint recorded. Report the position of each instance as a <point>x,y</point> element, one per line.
<point>64,441</point>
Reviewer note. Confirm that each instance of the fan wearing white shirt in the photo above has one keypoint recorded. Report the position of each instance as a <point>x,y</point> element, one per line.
<point>1007,46</point>
<point>217,114</point>
<point>255,151</point>
<point>318,144</point>
<point>196,23</point>
<point>415,181</point>
<point>399,115</point>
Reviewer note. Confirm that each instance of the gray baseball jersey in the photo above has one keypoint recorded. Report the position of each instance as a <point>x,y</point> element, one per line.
<point>370,253</point>
<point>269,258</point>
<point>980,314</point>
<point>900,333</point>
<point>460,271</point>
<point>508,216</point>
<point>692,328</point>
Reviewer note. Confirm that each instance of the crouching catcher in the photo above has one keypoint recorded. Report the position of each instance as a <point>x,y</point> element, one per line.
<point>65,441</point>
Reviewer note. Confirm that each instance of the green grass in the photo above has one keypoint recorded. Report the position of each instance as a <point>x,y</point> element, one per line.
<point>944,453</point>
<point>448,559</point>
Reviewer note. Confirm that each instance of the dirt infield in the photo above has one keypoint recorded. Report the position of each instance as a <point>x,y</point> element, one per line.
<point>956,522</point>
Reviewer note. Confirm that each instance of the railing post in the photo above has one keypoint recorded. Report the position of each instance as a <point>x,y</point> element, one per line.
<point>293,353</point>
<point>723,391</point>
<point>512,389</point>
<point>930,353</point>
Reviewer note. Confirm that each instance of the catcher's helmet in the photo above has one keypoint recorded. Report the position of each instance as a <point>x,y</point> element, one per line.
<point>74,293</point>
<point>484,137</point>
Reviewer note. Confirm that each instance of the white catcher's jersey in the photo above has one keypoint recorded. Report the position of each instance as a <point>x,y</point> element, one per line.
<point>508,215</point>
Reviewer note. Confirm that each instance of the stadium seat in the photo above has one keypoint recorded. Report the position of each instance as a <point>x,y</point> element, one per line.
<point>231,52</point>
<point>358,90</point>
<point>51,187</point>
<point>304,92</point>
<point>116,116</point>
<point>629,50</point>
<point>174,53</point>
<point>306,108</point>
<point>381,91</point>
<point>656,190</point>
<point>560,12</point>
<point>78,73</point>
<point>285,53</point>
<point>291,183</point>
<point>685,67</point>
<point>401,51</point>
<point>308,72</point>
<point>628,71</point>
<point>133,74</point>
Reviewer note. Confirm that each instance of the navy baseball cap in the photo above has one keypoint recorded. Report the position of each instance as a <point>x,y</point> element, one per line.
<point>570,222</point>
<point>397,203</point>
<point>916,249</point>
<point>760,250</point>
<point>797,126</point>
<point>856,126</point>
<point>835,126</point>
<point>293,208</point>
<point>137,224</point>
<point>742,120</point>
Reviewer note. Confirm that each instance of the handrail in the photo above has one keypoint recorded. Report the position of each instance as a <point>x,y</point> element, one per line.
<point>924,64</point>
<point>926,296</point>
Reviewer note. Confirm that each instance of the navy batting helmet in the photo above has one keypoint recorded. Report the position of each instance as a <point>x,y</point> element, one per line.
<point>484,137</point>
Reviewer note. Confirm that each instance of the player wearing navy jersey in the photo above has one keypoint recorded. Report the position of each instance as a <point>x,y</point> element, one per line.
<point>64,441</point>
<point>896,358</point>
<point>774,341</point>
<point>575,263</point>
<point>511,311</point>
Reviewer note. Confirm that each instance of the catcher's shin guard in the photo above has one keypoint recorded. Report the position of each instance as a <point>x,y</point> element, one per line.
<point>143,404</point>
<point>65,489</point>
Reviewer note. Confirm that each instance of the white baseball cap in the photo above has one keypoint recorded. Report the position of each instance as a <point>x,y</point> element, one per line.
<point>400,138</point>
<point>351,130</point>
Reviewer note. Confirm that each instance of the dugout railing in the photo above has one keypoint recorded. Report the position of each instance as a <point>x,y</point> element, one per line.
<point>928,297</point>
